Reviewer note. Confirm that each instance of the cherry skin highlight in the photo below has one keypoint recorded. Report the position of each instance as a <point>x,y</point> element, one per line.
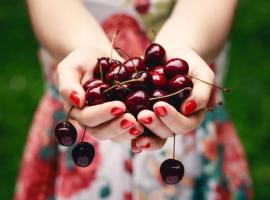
<point>117,72</point>
<point>154,55</point>
<point>135,64</point>
<point>65,133</point>
<point>95,96</point>
<point>137,101</point>
<point>145,82</point>
<point>91,83</point>
<point>175,66</point>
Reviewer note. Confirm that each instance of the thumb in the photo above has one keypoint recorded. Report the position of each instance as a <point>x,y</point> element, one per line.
<point>69,77</point>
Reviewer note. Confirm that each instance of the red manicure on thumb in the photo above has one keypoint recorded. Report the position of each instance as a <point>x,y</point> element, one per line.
<point>74,98</point>
<point>189,107</point>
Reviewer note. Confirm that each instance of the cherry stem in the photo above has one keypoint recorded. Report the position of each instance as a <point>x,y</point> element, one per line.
<point>112,43</point>
<point>100,70</point>
<point>126,54</point>
<point>83,133</point>
<point>221,88</point>
<point>169,95</point>
<point>117,83</point>
<point>69,113</point>
<point>211,109</point>
<point>174,146</point>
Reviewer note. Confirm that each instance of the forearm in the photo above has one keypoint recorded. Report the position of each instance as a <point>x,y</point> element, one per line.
<point>203,25</point>
<point>62,26</point>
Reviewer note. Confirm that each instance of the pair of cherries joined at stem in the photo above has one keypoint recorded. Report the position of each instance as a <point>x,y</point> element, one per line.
<point>139,83</point>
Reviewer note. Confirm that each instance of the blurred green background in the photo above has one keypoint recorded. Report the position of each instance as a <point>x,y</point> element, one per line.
<point>249,76</point>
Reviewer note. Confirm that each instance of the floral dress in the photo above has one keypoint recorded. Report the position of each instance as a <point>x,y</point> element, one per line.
<point>214,160</point>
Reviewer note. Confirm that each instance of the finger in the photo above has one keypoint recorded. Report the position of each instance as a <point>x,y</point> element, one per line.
<point>130,134</point>
<point>152,122</point>
<point>175,121</point>
<point>201,91</point>
<point>113,128</point>
<point>92,116</point>
<point>134,148</point>
<point>149,143</point>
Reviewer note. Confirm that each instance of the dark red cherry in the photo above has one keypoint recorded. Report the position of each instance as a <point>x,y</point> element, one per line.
<point>154,55</point>
<point>159,80</point>
<point>94,96</point>
<point>117,72</point>
<point>157,69</point>
<point>142,6</point>
<point>159,93</point>
<point>120,92</point>
<point>91,83</point>
<point>175,67</point>
<point>177,83</point>
<point>137,101</point>
<point>144,84</point>
<point>105,64</point>
<point>172,171</point>
<point>65,133</point>
<point>83,154</point>
<point>180,82</point>
<point>135,64</point>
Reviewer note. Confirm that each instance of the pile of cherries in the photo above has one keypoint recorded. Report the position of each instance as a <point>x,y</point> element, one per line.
<point>139,83</point>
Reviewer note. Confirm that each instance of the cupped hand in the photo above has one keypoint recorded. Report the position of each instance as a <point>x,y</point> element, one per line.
<point>166,120</point>
<point>104,121</point>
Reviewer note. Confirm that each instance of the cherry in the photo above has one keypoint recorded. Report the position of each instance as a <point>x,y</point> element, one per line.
<point>105,65</point>
<point>65,133</point>
<point>94,96</point>
<point>120,92</point>
<point>180,82</point>
<point>117,72</point>
<point>83,154</point>
<point>135,64</point>
<point>157,69</point>
<point>91,83</point>
<point>174,67</point>
<point>154,55</point>
<point>159,80</point>
<point>145,82</point>
<point>142,6</point>
<point>137,101</point>
<point>159,93</point>
<point>172,171</point>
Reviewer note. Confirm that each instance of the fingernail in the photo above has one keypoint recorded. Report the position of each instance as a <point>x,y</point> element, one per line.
<point>190,107</point>
<point>126,124</point>
<point>116,111</point>
<point>147,146</point>
<point>146,120</point>
<point>74,98</point>
<point>134,131</point>
<point>160,111</point>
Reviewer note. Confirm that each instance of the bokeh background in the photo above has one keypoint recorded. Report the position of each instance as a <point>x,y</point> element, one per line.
<point>248,104</point>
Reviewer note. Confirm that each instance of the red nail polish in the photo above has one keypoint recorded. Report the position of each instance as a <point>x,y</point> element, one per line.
<point>134,131</point>
<point>190,107</point>
<point>160,111</point>
<point>147,120</point>
<point>116,111</point>
<point>74,98</point>
<point>126,124</point>
<point>147,146</point>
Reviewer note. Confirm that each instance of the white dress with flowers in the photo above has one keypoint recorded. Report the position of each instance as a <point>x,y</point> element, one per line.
<point>215,164</point>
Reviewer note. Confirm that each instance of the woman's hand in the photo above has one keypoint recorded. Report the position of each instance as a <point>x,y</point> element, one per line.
<point>166,120</point>
<point>104,121</point>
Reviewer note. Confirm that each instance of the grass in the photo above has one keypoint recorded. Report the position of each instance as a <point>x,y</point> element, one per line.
<point>248,104</point>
